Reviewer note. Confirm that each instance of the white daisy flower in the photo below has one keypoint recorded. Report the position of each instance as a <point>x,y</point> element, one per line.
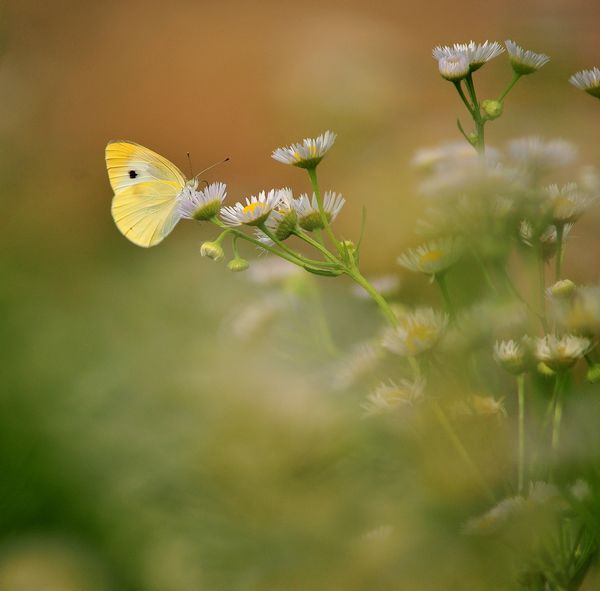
<point>496,516</point>
<point>454,67</point>
<point>283,219</point>
<point>524,61</point>
<point>202,205</point>
<point>255,212</point>
<point>541,156</point>
<point>417,332</point>
<point>582,316</point>
<point>567,203</point>
<point>560,353</point>
<point>389,397</point>
<point>306,154</point>
<point>547,239</point>
<point>588,80</point>
<point>511,356</point>
<point>477,53</point>
<point>309,217</point>
<point>431,258</point>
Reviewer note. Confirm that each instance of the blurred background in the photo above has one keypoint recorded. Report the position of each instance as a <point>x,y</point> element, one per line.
<point>147,440</point>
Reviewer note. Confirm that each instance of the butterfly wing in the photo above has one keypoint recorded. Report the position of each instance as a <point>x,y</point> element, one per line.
<point>146,186</point>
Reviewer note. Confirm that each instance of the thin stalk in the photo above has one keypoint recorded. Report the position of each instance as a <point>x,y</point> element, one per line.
<point>515,292</point>
<point>521,433</point>
<point>379,299</point>
<point>318,245</point>
<point>440,279</point>
<point>460,449</point>
<point>458,86</point>
<point>560,233</point>
<point>558,410</point>
<point>312,173</point>
<point>514,80</point>
<point>542,286</point>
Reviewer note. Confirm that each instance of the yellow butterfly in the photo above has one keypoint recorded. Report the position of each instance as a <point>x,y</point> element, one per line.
<point>147,189</point>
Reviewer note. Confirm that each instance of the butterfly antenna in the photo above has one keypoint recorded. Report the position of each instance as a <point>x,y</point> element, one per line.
<point>190,165</point>
<point>212,166</point>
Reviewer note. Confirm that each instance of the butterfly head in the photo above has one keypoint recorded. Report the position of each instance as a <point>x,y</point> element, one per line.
<point>192,183</point>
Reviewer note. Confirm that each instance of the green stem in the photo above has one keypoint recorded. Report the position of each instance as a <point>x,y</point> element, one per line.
<point>440,279</point>
<point>557,416</point>
<point>560,232</point>
<point>458,86</point>
<point>515,292</point>
<point>476,114</point>
<point>542,286</point>
<point>379,299</point>
<point>312,173</point>
<point>460,448</point>
<point>521,433</point>
<point>320,247</point>
<point>514,80</point>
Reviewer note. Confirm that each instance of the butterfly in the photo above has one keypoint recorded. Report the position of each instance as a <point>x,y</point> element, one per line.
<point>147,190</point>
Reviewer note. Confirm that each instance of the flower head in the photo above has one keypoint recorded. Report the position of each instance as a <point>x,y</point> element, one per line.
<point>540,156</point>
<point>588,80</point>
<point>202,205</point>
<point>309,217</point>
<point>389,397</point>
<point>567,203</point>
<point>255,212</point>
<point>560,353</point>
<point>477,53</point>
<point>283,219</point>
<point>454,67</point>
<point>524,61</point>
<point>431,258</point>
<point>308,153</point>
<point>511,356</point>
<point>417,332</point>
<point>545,238</point>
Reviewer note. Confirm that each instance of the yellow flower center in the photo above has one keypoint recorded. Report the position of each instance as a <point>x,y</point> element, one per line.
<point>433,256</point>
<point>251,207</point>
<point>420,337</point>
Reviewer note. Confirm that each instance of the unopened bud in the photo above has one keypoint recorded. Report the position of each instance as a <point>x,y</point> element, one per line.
<point>593,374</point>
<point>236,265</point>
<point>212,250</point>
<point>562,289</point>
<point>492,108</point>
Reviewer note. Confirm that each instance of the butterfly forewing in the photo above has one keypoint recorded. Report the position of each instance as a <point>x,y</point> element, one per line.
<point>146,186</point>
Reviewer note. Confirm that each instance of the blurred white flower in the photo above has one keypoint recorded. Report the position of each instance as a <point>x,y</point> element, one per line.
<point>587,80</point>
<point>524,61</point>
<point>418,332</point>
<point>432,258</point>
<point>308,153</point>
<point>271,270</point>
<point>390,396</point>
<point>540,156</point>
<point>496,516</point>
<point>567,203</point>
<point>560,353</point>
<point>510,355</point>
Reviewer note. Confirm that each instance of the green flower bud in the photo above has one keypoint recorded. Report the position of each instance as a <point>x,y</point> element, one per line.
<point>593,374</point>
<point>212,250</point>
<point>236,265</point>
<point>545,370</point>
<point>562,289</point>
<point>492,108</point>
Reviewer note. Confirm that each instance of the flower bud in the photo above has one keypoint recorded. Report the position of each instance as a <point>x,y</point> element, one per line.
<point>562,289</point>
<point>593,374</point>
<point>212,250</point>
<point>236,265</point>
<point>491,108</point>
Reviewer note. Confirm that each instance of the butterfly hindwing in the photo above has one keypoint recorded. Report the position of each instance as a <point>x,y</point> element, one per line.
<point>146,186</point>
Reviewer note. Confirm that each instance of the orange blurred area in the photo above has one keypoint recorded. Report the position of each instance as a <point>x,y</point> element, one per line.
<point>239,79</point>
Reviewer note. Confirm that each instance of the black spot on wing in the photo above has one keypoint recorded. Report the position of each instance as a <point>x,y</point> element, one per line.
<point>132,174</point>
